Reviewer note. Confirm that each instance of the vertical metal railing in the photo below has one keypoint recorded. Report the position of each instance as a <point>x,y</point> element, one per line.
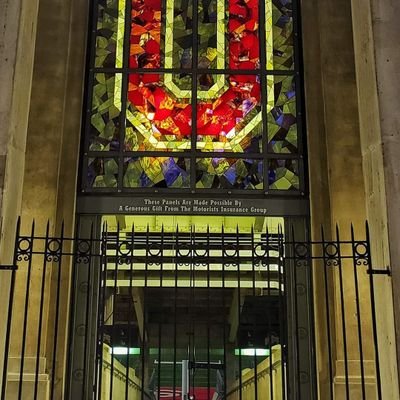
<point>233,290</point>
<point>10,306</point>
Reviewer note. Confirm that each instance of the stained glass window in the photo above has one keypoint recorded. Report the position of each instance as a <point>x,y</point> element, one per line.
<point>193,95</point>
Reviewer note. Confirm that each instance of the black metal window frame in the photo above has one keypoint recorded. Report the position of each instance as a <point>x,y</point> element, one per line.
<point>194,154</point>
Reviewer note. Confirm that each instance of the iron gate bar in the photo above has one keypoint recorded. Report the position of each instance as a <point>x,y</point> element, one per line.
<point>101,309</point>
<point>87,309</point>
<point>39,333</point>
<point>144,323</point>
<point>224,330</point>
<point>25,319</point>
<point>57,261</point>
<point>254,320</point>
<point>121,249</point>
<point>271,383</point>
<point>131,309</point>
<point>373,311</point>
<point>328,317</point>
<point>296,321</point>
<point>359,326</point>
<point>283,314</point>
<point>338,262</point>
<point>175,312</point>
<point>208,318</point>
<point>159,323</point>
<point>192,323</point>
<point>271,375</point>
<point>10,312</point>
<point>8,267</point>
<point>239,309</point>
<point>386,271</point>
<point>114,300</point>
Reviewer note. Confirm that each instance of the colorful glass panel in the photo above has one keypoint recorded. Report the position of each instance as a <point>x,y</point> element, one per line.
<point>190,84</point>
<point>279,34</point>
<point>162,172</point>
<point>282,118</point>
<point>283,174</point>
<point>145,34</point>
<point>178,34</point>
<point>229,116</point>
<point>102,172</point>
<point>229,173</point>
<point>211,34</point>
<point>159,112</point>
<point>244,43</point>
<point>105,116</point>
<point>110,33</point>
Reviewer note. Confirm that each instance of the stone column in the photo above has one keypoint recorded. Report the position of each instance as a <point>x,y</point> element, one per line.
<point>18,20</point>
<point>376,32</point>
<point>318,167</point>
<point>52,155</point>
<point>42,58</point>
<point>337,190</point>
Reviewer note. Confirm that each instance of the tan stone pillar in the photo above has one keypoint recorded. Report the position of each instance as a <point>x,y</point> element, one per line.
<point>17,44</point>
<point>376,32</point>
<point>51,169</point>
<point>337,191</point>
<point>39,169</point>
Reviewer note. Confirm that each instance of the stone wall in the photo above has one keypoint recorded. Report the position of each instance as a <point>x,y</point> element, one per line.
<point>377,60</point>
<point>18,21</point>
<point>42,59</point>
<point>340,113</point>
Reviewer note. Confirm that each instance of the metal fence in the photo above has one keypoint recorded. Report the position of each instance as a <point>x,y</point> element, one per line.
<point>181,315</point>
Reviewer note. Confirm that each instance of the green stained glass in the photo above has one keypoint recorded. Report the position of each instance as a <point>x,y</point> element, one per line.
<point>178,34</point>
<point>229,116</point>
<point>159,112</point>
<point>105,116</point>
<point>283,174</point>
<point>102,172</point>
<point>211,34</point>
<point>163,172</point>
<point>279,34</point>
<point>282,118</point>
<point>110,33</point>
<point>229,173</point>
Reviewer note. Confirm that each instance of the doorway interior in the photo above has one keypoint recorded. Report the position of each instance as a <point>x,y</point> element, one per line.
<point>189,307</point>
<point>196,310</point>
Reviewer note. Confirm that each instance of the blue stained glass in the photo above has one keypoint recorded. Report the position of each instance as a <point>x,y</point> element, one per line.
<point>160,172</point>
<point>230,175</point>
<point>144,180</point>
<point>171,171</point>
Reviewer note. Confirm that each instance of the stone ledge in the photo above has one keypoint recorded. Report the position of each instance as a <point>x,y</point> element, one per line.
<point>13,377</point>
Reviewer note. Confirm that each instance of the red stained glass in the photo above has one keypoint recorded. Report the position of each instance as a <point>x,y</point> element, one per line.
<point>170,115</point>
<point>220,116</point>
<point>243,34</point>
<point>145,34</point>
<point>167,114</point>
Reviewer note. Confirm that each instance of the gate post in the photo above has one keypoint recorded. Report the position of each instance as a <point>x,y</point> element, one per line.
<point>300,317</point>
<point>82,340</point>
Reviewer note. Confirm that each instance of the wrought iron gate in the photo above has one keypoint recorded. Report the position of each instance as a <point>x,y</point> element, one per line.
<point>181,315</point>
